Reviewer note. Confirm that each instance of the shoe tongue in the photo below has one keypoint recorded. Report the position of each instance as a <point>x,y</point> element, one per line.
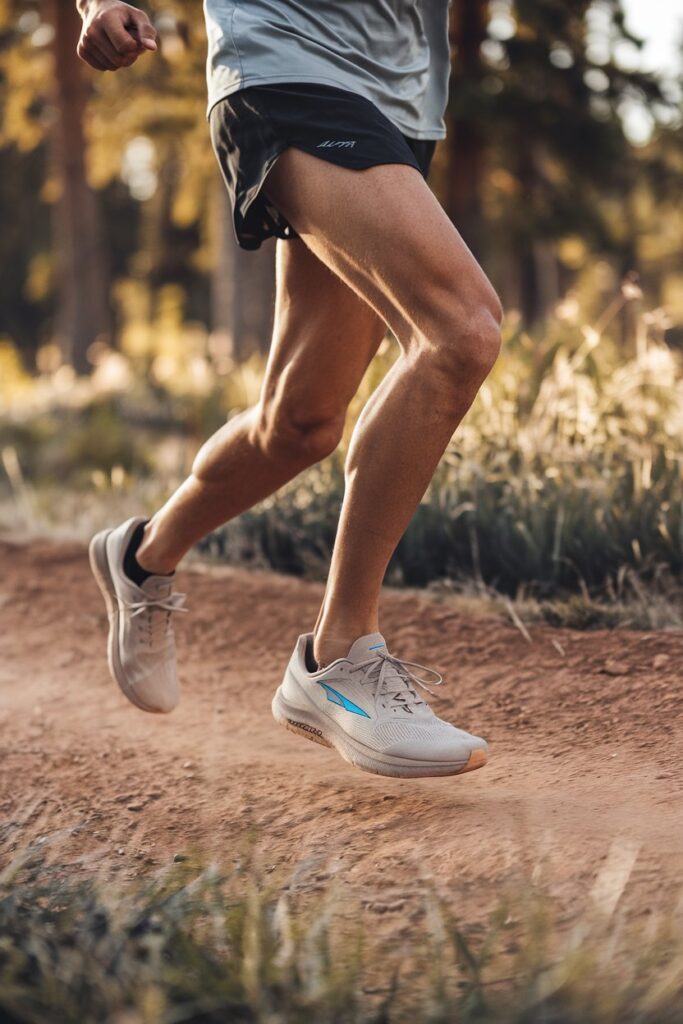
<point>367,647</point>
<point>157,586</point>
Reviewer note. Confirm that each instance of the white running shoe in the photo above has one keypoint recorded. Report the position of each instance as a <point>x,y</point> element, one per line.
<point>141,649</point>
<point>367,708</point>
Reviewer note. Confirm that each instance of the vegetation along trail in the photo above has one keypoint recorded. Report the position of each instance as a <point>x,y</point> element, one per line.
<point>581,795</point>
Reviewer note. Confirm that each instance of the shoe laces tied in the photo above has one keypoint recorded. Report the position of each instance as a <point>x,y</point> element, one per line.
<point>395,679</point>
<point>168,604</point>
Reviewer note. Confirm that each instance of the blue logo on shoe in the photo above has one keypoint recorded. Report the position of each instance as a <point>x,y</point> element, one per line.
<point>338,698</point>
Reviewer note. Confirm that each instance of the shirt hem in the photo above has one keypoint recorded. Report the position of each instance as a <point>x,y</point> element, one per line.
<point>425,134</point>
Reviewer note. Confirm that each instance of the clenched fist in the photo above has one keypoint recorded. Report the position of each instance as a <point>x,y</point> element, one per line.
<point>114,34</point>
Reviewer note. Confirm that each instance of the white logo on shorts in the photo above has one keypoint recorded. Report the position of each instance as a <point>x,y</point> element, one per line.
<point>330,144</point>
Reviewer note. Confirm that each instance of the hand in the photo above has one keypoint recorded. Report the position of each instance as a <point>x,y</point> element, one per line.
<point>114,34</point>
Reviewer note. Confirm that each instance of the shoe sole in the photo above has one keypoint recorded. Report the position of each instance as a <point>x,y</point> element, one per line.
<point>97,553</point>
<point>306,724</point>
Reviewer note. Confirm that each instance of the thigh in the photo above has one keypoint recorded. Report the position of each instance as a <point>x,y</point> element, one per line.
<point>383,232</point>
<point>324,335</point>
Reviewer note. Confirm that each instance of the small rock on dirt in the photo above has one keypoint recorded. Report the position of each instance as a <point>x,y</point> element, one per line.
<point>614,667</point>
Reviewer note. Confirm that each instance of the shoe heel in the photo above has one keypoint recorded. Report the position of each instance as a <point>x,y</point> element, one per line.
<point>295,720</point>
<point>98,564</point>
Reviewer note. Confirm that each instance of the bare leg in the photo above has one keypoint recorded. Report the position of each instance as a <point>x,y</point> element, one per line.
<point>383,232</point>
<point>324,338</point>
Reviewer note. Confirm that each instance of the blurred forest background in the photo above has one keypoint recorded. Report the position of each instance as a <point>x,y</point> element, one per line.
<point>131,325</point>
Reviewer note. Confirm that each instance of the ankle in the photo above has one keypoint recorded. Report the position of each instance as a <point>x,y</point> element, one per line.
<point>150,554</point>
<point>328,645</point>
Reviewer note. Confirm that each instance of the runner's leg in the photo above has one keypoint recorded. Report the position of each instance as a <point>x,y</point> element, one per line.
<point>324,337</point>
<point>383,232</point>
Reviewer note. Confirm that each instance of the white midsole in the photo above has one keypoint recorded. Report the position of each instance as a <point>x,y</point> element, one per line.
<point>314,718</point>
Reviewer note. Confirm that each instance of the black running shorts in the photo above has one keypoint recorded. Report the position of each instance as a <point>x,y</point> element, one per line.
<point>252,127</point>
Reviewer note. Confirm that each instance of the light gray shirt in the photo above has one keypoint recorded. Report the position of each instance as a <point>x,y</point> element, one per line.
<point>393,52</point>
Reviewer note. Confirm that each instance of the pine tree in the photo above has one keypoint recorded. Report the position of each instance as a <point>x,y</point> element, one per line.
<point>537,143</point>
<point>82,315</point>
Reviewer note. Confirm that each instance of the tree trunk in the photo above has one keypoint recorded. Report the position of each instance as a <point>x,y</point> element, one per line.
<point>465,146</point>
<point>83,313</point>
<point>242,289</point>
<point>539,287</point>
<point>254,299</point>
<point>223,269</point>
<point>223,279</point>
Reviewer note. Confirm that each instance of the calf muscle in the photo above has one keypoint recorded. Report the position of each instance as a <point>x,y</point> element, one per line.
<point>324,337</point>
<point>384,234</point>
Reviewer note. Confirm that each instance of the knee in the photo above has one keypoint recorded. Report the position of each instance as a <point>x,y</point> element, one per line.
<point>302,435</point>
<point>461,335</point>
<point>474,343</point>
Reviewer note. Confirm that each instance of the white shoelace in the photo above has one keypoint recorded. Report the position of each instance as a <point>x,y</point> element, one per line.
<point>170,603</point>
<point>386,670</point>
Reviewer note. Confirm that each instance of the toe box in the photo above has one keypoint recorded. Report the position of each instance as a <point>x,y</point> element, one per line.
<point>438,742</point>
<point>152,687</point>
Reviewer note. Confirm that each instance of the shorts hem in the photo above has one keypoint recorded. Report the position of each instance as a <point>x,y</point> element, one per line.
<point>286,232</point>
<point>241,212</point>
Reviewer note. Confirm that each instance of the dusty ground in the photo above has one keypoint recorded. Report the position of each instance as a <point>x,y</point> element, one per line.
<point>585,729</point>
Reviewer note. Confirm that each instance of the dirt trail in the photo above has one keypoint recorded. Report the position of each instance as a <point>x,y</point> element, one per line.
<point>585,732</point>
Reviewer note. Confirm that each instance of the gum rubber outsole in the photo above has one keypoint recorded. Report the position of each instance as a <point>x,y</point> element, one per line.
<point>283,716</point>
<point>98,563</point>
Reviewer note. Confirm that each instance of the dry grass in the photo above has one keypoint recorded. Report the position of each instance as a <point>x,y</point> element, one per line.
<point>564,484</point>
<point>200,946</point>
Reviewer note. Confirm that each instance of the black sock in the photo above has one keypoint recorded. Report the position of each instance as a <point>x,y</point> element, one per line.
<point>131,566</point>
